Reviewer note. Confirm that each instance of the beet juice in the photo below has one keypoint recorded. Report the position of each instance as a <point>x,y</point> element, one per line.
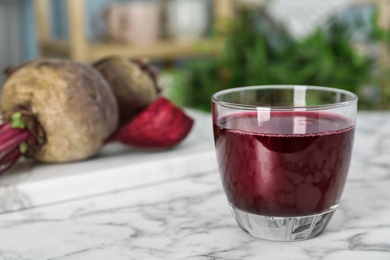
<point>291,164</point>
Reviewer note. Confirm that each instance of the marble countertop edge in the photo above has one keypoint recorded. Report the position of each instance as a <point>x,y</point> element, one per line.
<point>27,195</point>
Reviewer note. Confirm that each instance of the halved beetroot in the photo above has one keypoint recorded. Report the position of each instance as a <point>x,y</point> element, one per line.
<point>160,125</point>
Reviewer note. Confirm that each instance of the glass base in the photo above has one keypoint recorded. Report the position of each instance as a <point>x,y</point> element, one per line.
<point>282,228</point>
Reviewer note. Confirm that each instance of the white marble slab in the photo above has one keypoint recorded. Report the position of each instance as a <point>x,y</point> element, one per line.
<point>117,167</point>
<point>187,218</point>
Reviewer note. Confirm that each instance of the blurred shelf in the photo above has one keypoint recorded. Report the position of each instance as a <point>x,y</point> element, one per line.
<point>60,47</point>
<point>79,48</point>
<point>167,49</point>
<point>251,4</point>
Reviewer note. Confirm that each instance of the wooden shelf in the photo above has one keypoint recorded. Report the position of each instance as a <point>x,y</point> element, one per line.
<point>251,4</point>
<point>159,50</point>
<point>54,47</point>
<point>79,48</point>
<point>167,49</point>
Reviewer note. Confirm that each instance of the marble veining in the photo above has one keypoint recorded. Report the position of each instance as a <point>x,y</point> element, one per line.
<point>187,218</point>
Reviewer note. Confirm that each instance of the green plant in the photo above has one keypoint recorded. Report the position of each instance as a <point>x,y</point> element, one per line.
<point>259,51</point>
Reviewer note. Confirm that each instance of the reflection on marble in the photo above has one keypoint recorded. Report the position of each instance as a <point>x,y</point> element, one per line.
<point>188,218</point>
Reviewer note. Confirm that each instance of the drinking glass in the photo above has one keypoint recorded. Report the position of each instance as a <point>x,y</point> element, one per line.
<point>283,154</point>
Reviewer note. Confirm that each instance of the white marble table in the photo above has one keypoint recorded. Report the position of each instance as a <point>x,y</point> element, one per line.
<point>171,206</point>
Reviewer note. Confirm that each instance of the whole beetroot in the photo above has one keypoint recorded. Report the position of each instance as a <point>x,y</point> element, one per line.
<point>55,110</point>
<point>133,83</point>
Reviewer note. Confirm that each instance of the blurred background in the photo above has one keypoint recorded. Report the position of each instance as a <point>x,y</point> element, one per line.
<point>202,46</point>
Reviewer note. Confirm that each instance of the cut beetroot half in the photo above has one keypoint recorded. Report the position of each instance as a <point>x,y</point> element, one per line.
<point>160,125</point>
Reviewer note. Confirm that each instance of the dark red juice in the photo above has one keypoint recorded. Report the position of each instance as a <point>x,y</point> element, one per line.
<point>290,164</point>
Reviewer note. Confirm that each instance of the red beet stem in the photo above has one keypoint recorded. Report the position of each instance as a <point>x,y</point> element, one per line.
<point>4,128</point>
<point>6,166</point>
<point>10,156</point>
<point>10,141</point>
<point>10,134</point>
<point>14,141</point>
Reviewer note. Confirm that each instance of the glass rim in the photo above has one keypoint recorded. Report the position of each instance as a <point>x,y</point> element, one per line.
<point>354,98</point>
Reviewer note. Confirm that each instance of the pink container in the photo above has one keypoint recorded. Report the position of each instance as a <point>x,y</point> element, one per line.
<point>135,22</point>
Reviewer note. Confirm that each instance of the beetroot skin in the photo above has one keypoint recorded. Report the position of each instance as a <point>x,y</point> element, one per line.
<point>160,125</point>
<point>67,109</point>
<point>134,84</point>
